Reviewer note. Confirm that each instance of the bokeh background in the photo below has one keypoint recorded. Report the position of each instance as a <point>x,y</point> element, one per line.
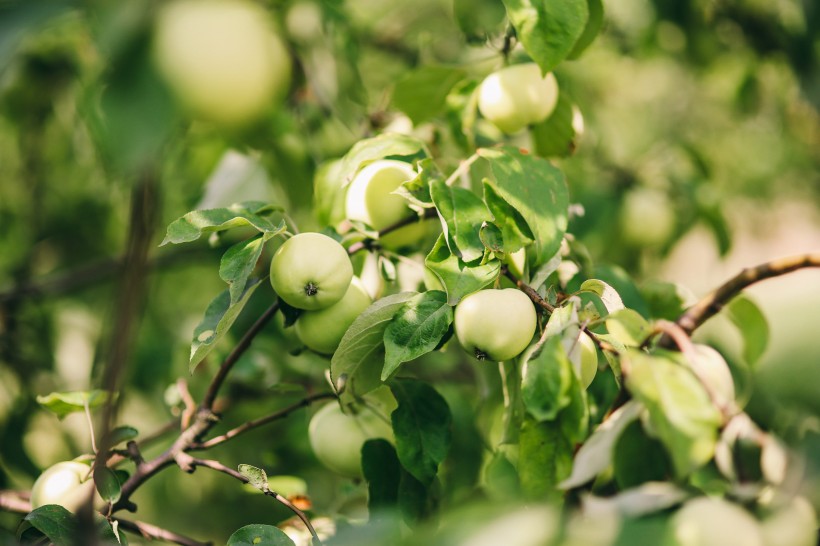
<point>701,120</point>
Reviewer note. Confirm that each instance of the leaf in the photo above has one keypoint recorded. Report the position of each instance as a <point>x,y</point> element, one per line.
<point>421,94</point>
<point>257,477</point>
<point>238,263</point>
<point>416,329</point>
<point>665,300</point>
<point>537,190</point>
<point>417,190</point>
<point>556,136</point>
<point>107,483</point>
<point>370,149</point>
<point>640,501</point>
<point>594,23</point>
<point>680,411</point>
<point>458,278</point>
<point>219,317</point>
<point>638,458</point>
<point>628,327</point>
<point>609,296</point>
<point>596,454</point>
<point>122,434</point>
<point>753,326</point>
<point>360,356</point>
<point>546,379</point>
<point>544,458</point>
<point>421,425</point>
<point>55,522</point>
<point>501,479</point>
<point>415,502</point>
<point>478,19</point>
<point>63,403</point>
<point>382,472</point>
<point>515,232</point>
<point>199,222</point>
<point>548,29</point>
<point>462,214</point>
<point>259,535</point>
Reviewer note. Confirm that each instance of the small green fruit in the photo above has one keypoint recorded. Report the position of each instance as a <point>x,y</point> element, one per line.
<point>517,96</point>
<point>68,484</point>
<point>495,324</point>
<point>322,330</point>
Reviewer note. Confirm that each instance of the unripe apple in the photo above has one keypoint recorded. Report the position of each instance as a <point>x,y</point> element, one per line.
<point>221,58</point>
<point>517,96</point>
<point>370,199</point>
<point>495,324</point>
<point>311,271</point>
<point>337,438</point>
<point>68,484</point>
<point>647,217</point>
<point>322,330</point>
<point>589,360</point>
<point>708,521</point>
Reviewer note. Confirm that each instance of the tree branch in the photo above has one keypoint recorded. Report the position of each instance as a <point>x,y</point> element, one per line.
<point>714,302</point>
<point>528,290</point>
<point>219,467</point>
<point>249,425</point>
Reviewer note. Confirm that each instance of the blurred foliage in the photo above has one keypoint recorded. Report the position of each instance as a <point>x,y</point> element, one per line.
<point>710,105</point>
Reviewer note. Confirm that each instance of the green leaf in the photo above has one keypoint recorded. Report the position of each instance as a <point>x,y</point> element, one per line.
<point>421,425</point>
<point>63,403</point>
<point>238,263</point>
<point>680,410</point>
<point>416,329</point>
<point>594,23</point>
<point>259,535</point>
<point>370,149</point>
<point>257,477</point>
<point>491,237</point>
<point>544,458</point>
<point>753,326</point>
<point>548,29</point>
<point>514,229</point>
<point>107,483</point>
<point>665,300</point>
<point>537,190</point>
<point>546,379</point>
<point>458,278</point>
<point>360,356</point>
<point>421,94</point>
<point>199,222</point>
<point>479,19</point>
<point>608,295</point>
<point>415,502</point>
<point>501,479</point>
<point>55,522</point>
<point>639,458</point>
<point>555,136</point>
<point>417,190</point>
<point>382,472</point>
<point>462,214</point>
<point>219,317</point>
<point>122,434</point>
<point>628,327</point>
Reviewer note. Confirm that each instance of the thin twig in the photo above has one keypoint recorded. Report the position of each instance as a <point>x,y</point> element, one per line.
<point>233,357</point>
<point>463,168</point>
<point>528,290</point>
<point>249,425</point>
<point>219,467</point>
<point>188,400</point>
<point>714,302</point>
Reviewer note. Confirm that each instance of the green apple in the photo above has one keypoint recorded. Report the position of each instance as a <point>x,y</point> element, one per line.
<point>711,521</point>
<point>647,217</point>
<point>68,484</point>
<point>588,360</point>
<point>311,271</point>
<point>322,330</point>
<point>221,58</point>
<point>517,96</point>
<point>495,324</point>
<point>370,199</point>
<point>337,437</point>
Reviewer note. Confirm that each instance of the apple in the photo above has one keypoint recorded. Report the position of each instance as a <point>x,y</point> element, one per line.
<point>711,521</point>
<point>589,360</point>
<point>517,96</point>
<point>322,330</point>
<point>311,271</point>
<point>647,217</point>
<point>68,483</point>
<point>495,324</point>
<point>221,58</point>
<point>337,437</point>
<point>370,199</point>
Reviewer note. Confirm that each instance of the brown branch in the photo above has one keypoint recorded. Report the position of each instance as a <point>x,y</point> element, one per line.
<point>528,290</point>
<point>714,302</point>
<point>233,357</point>
<point>15,501</point>
<point>369,243</point>
<point>244,427</point>
<point>219,467</point>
